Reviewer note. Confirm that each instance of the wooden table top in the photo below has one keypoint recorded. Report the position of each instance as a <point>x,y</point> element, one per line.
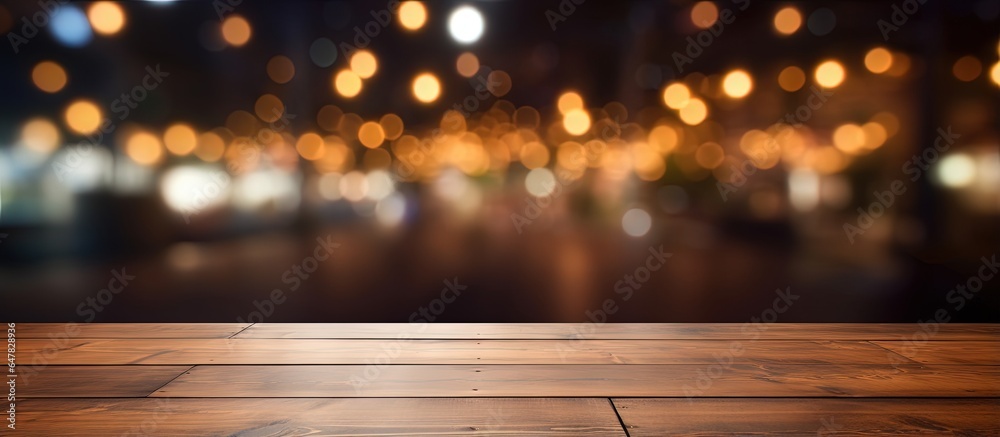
<point>507,379</point>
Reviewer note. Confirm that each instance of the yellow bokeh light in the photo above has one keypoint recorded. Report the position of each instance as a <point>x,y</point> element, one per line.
<point>878,60</point>
<point>269,108</point>
<point>83,116</point>
<point>467,64</point>
<point>576,121</point>
<point>875,135</point>
<point>412,15</point>
<point>180,139</point>
<point>426,87</point>
<point>280,69</point>
<point>737,84</point>
<point>236,30</point>
<point>364,64</point>
<point>40,135</point>
<point>48,76</point>
<point>371,135</point>
<point>787,20</point>
<point>704,14</point>
<point>849,138</point>
<point>995,74</point>
<point>829,74</point>
<point>792,78</point>
<point>310,146</point>
<point>144,148</point>
<point>676,95</point>
<point>694,112</point>
<point>664,139</point>
<point>710,155</point>
<point>534,155</point>
<point>347,83</point>
<point>569,100</point>
<point>106,18</point>
<point>210,147</point>
<point>392,126</point>
<point>967,68</point>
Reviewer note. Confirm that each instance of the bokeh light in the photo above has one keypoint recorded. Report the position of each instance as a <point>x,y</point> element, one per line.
<point>412,15</point>
<point>144,148</point>
<point>704,14</point>
<point>791,78</point>
<point>878,60</point>
<point>83,116</point>
<point>576,121</point>
<point>967,68</point>
<point>69,26</point>
<point>347,83</point>
<point>466,25</point>
<point>694,112</point>
<point>636,222</point>
<point>569,100</point>
<point>106,17</point>
<point>280,69</point>
<point>787,20</point>
<point>676,95</point>
<point>49,76</point>
<point>426,87</point>
<point>180,139</point>
<point>269,108</point>
<point>956,170</point>
<point>40,135</point>
<point>737,84</point>
<point>467,64</point>
<point>371,135</point>
<point>364,64</point>
<point>236,30</point>
<point>829,74</point>
<point>310,146</point>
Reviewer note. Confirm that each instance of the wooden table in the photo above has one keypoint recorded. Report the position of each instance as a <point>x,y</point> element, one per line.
<point>507,379</point>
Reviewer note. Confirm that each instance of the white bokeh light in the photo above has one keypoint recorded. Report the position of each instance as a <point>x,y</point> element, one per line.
<point>957,170</point>
<point>540,182</point>
<point>636,222</point>
<point>466,24</point>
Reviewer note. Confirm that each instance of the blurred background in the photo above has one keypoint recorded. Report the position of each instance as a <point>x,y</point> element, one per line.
<point>182,160</point>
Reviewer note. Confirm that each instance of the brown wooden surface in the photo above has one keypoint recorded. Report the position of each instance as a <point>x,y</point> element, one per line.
<point>817,417</point>
<point>59,332</point>
<point>943,352</point>
<point>623,331</point>
<point>507,379</point>
<point>93,381</point>
<point>321,351</point>
<point>585,381</point>
<point>356,417</point>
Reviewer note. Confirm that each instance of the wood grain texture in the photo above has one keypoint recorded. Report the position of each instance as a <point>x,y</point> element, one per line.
<point>622,331</point>
<point>322,351</point>
<point>855,417</point>
<point>356,417</point>
<point>59,332</point>
<point>93,381</point>
<point>586,381</point>
<point>946,352</point>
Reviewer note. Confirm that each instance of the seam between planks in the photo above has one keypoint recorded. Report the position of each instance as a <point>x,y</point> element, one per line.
<point>619,416</point>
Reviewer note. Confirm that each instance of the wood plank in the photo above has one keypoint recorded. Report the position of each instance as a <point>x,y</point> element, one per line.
<point>368,417</point>
<point>586,381</point>
<point>946,352</point>
<point>622,331</point>
<point>93,381</point>
<point>58,332</point>
<point>322,351</point>
<point>856,417</point>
